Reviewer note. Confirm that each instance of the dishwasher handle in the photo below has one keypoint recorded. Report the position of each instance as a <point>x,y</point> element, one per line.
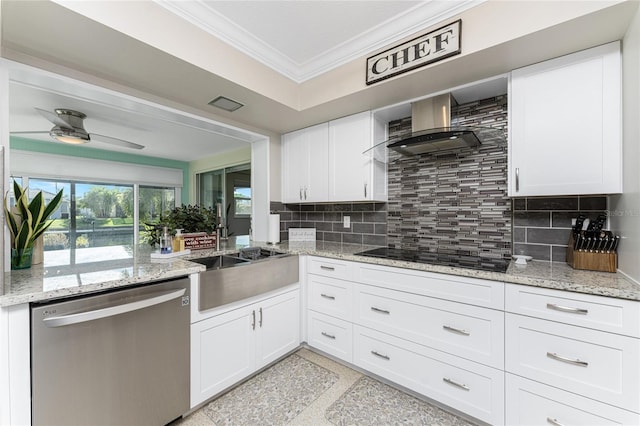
<point>62,320</point>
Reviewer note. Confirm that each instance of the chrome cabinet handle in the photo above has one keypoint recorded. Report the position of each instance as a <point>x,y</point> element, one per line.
<point>253,320</point>
<point>365,190</point>
<point>454,383</point>
<point>301,193</point>
<point>330,336</point>
<point>327,268</point>
<point>260,322</point>
<point>517,179</point>
<point>305,192</point>
<point>567,309</point>
<point>379,355</point>
<point>456,330</point>
<point>567,360</point>
<point>554,421</point>
<point>381,311</point>
<point>326,296</point>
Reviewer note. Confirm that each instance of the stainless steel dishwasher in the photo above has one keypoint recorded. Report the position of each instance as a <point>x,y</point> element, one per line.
<point>117,358</point>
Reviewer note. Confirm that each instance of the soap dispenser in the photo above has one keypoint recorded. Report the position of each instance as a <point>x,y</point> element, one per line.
<point>166,245</point>
<point>178,241</point>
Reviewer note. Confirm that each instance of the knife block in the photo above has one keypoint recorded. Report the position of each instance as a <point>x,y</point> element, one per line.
<point>591,261</point>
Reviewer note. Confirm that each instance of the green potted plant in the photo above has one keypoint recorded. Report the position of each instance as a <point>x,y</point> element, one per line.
<point>27,221</point>
<point>186,217</point>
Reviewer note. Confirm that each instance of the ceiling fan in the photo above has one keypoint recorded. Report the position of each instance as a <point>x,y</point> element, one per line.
<point>68,128</point>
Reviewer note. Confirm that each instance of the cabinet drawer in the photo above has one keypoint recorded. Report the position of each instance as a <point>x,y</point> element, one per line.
<point>473,291</point>
<point>332,268</point>
<point>598,365</point>
<point>532,403</point>
<point>330,296</point>
<point>474,389</point>
<point>331,335</point>
<point>468,331</point>
<point>601,313</point>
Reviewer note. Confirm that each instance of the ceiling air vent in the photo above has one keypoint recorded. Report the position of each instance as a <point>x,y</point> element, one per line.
<point>226,104</point>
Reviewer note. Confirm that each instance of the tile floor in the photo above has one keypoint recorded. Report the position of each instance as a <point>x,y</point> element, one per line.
<point>336,403</point>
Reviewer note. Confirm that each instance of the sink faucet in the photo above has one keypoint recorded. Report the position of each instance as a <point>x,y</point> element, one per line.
<point>219,225</point>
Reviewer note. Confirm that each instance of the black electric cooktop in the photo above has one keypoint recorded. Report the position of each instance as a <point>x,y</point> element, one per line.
<point>458,260</point>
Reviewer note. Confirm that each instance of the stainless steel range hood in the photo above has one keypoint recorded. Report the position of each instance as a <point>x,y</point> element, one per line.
<point>432,129</point>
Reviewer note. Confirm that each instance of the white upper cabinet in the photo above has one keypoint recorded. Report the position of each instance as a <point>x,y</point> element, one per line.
<point>565,125</point>
<point>325,163</point>
<point>305,165</point>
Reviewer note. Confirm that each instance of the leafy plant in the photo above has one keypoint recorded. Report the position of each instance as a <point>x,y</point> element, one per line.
<point>31,219</point>
<point>186,217</point>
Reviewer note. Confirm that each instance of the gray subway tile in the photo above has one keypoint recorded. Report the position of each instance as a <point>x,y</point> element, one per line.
<point>552,203</point>
<point>538,252</point>
<point>352,238</point>
<point>527,218</point>
<point>374,240</point>
<point>593,203</point>
<point>548,236</point>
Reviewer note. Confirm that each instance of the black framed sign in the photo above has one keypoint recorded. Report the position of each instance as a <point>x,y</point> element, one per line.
<point>418,52</point>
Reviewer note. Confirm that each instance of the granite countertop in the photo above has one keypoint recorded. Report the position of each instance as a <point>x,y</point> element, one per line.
<point>105,268</point>
<point>67,273</point>
<point>554,275</point>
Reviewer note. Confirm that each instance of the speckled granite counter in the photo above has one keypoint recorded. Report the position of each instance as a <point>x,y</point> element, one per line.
<point>555,275</point>
<point>126,266</point>
<point>93,270</point>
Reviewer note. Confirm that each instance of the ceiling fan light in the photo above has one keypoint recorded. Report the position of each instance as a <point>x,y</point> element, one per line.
<point>70,140</point>
<point>69,136</point>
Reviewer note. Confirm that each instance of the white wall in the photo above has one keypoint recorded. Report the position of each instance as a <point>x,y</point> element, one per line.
<point>625,208</point>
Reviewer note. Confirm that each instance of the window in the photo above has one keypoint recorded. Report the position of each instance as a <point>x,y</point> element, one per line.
<point>96,214</point>
<point>242,200</point>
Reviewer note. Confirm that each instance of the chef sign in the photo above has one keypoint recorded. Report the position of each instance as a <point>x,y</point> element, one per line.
<point>426,49</point>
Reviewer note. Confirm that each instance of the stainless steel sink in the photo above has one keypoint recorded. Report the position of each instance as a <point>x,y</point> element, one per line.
<point>220,261</point>
<point>232,277</point>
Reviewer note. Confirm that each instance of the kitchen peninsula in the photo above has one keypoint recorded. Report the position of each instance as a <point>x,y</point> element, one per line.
<point>328,266</point>
<point>133,265</point>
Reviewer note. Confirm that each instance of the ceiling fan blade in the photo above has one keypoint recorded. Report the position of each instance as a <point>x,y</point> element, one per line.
<point>114,141</point>
<point>37,132</point>
<point>54,118</point>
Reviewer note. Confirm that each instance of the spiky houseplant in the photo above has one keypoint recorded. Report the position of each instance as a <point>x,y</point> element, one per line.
<point>28,220</point>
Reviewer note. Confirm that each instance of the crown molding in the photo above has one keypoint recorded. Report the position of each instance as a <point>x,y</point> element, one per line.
<point>413,20</point>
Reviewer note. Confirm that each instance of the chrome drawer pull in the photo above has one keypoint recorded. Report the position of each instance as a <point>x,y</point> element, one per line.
<point>326,296</point>
<point>568,360</point>
<point>379,355</point>
<point>330,336</point>
<point>567,309</point>
<point>382,311</point>
<point>454,383</point>
<point>456,330</point>
<point>327,268</point>
<point>554,422</point>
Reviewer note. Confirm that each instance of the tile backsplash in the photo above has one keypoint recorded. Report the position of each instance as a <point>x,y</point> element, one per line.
<point>453,202</point>
<point>541,225</point>
<point>368,221</point>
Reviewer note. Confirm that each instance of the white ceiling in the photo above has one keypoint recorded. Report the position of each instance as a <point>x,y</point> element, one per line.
<point>298,39</point>
<point>303,39</point>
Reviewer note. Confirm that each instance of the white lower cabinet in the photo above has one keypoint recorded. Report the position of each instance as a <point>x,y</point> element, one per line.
<point>472,388</point>
<point>331,335</point>
<point>229,347</point>
<point>602,366</point>
<point>471,332</point>
<point>530,403</point>
<point>386,321</point>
